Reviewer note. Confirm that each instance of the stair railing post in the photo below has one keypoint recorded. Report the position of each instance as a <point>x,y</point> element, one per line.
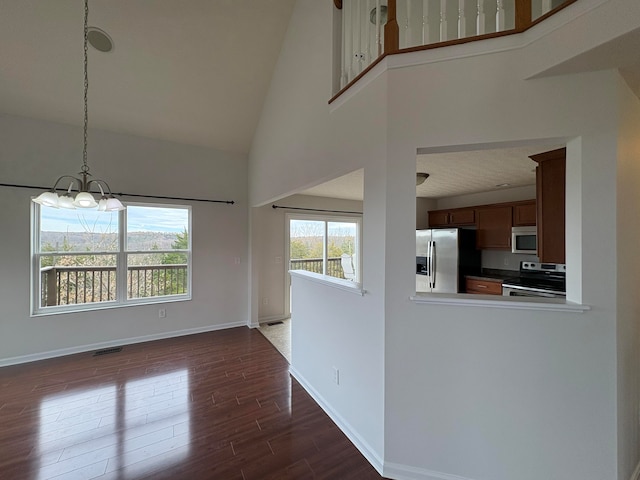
<point>391,30</point>
<point>523,14</point>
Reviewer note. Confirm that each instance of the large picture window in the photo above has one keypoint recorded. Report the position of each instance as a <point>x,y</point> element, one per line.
<point>85,259</point>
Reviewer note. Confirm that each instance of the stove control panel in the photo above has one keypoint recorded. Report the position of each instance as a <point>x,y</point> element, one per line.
<point>543,267</point>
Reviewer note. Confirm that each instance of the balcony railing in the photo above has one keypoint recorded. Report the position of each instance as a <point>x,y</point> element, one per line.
<point>334,266</point>
<point>63,285</point>
<point>372,29</point>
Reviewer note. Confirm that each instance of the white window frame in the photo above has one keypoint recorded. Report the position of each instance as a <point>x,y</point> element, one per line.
<point>122,266</point>
<point>347,218</point>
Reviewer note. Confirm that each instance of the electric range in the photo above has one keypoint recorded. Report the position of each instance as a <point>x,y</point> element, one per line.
<point>537,280</point>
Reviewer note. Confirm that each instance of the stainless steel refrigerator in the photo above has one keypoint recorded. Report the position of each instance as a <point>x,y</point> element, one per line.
<point>443,257</point>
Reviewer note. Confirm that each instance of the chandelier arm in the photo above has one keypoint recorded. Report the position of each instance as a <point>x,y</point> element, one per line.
<point>76,180</point>
<point>99,183</point>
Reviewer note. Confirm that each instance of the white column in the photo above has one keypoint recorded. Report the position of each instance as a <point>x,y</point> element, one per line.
<point>425,22</point>
<point>462,28</point>
<point>499,15</point>
<point>546,6</point>
<point>378,29</point>
<point>443,20</point>
<point>480,18</point>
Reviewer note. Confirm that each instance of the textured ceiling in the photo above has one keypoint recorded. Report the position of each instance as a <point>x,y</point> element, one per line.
<point>191,71</point>
<point>451,174</point>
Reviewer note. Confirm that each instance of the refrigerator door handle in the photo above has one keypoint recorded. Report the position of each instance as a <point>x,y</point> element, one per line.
<point>433,264</point>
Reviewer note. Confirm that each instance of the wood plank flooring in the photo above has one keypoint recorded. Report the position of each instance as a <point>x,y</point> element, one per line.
<point>217,405</point>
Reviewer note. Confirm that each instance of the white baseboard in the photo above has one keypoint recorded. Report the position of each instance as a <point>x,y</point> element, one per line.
<point>405,472</point>
<point>388,470</point>
<point>273,318</point>
<point>636,473</point>
<point>114,343</point>
<point>369,453</point>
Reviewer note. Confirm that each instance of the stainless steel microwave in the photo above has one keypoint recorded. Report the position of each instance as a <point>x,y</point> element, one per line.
<point>524,240</point>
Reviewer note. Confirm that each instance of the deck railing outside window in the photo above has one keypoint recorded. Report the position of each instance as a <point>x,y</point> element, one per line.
<point>373,27</point>
<point>334,266</point>
<point>63,285</point>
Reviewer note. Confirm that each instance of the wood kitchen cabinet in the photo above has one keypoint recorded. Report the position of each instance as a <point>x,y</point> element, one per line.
<point>483,286</point>
<point>524,214</point>
<point>456,217</point>
<point>494,227</point>
<point>550,193</point>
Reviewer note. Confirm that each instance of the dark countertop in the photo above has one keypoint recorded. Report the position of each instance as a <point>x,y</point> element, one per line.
<point>494,275</point>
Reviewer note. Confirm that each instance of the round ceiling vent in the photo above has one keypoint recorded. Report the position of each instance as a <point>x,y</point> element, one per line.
<point>99,39</point>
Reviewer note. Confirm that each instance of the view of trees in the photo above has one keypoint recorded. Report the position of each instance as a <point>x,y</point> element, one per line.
<point>93,278</point>
<point>306,247</point>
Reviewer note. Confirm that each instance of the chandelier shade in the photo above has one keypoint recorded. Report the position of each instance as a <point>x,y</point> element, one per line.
<point>84,197</point>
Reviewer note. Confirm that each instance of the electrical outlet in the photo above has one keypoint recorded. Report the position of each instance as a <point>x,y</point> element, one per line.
<point>162,313</point>
<point>336,376</point>
<point>506,261</point>
<point>236,260</point>
<point>278,259</point>
<point>265,301</point>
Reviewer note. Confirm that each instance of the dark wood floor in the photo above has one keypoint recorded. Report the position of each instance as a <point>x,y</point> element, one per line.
<point>215,405</point>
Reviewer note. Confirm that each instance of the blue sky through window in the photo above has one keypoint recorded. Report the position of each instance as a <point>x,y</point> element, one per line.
<point>139,219</point>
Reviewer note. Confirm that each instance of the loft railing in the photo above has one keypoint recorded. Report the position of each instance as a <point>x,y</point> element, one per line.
<point>78,284</point>
<point>372,29</point>
<point>334,266</point>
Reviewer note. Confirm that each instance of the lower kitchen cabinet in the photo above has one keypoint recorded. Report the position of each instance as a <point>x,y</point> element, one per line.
<point>483,286</point>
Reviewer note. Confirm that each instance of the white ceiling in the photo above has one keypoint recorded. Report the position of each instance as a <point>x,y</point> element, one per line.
<point>452,173</point>
<point>191,71</point>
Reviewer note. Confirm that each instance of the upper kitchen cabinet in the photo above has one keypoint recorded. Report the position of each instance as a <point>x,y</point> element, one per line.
<point>524,214</point>
<point>455,217</point>
<point>494,227</point>
<point>550,196</point>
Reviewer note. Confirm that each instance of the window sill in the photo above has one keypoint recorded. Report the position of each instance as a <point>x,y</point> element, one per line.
<point>487,301</point>
<point>91,307</point>
<point>339,283</point>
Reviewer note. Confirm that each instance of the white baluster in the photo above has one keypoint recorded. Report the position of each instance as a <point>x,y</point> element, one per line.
<point>343,68</point>
<point>425,22</point>
<point>499,15</point>
<point>443,20</point>
<point>378,29</point>
<point>350,38</point>
<point>358,32</point>
<point>462,28</point>
<point>407,26</point>
<point>546,6</point>
<point>368,29</point>
<point>480,18</point>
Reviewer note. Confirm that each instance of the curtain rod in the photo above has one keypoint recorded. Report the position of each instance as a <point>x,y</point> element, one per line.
<point>229,202</point>
<point>314,210</point>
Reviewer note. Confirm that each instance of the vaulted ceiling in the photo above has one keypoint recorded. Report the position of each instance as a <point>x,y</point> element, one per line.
<point>191,71</point>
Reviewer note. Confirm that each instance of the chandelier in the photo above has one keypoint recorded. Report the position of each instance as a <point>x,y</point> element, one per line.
<point>84,198</point>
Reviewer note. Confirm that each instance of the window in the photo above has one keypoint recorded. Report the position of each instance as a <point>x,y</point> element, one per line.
<point>85,259</point>
<point>325,245</point>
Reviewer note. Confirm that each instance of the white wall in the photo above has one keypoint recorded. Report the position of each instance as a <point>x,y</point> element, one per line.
<point>627,281</point>
<point>476,393</point>
<point>37,152</point>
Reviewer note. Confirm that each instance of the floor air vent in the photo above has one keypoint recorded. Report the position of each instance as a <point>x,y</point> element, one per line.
<point>271,324</point>
<point>107,350</point>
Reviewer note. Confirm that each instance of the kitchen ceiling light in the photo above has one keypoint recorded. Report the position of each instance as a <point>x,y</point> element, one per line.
<point>84,198</point>
<point>421,177</point>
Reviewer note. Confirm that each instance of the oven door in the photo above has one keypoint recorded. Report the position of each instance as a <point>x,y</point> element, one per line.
<point>519,292</point>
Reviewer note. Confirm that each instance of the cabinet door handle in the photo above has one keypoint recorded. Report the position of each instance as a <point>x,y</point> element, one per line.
<point>481,286</point>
